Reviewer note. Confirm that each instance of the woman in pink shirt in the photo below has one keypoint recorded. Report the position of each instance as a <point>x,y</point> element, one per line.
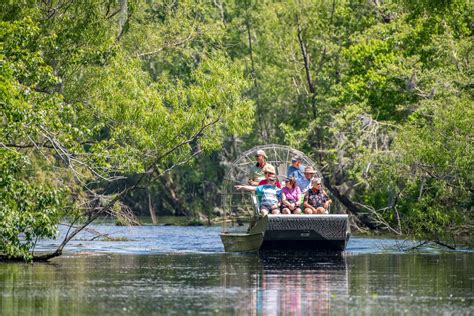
<point>291,195</point>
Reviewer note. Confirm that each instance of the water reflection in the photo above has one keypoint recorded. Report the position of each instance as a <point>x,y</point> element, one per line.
<point>293,283</point>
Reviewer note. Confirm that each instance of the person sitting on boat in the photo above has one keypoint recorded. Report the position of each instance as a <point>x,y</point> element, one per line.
<point>305,182</point>
<point>269,171</point>
<point>256,171</point>
<point>268,195</point>
<point>316,200</point>
<point>295,170</point>
<point>290,197</point>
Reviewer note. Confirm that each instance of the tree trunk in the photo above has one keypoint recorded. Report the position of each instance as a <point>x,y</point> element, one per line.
<point>123,18</point>
<point>151,210</point>
<point>170,196</point>
<point>264,130</point>
<point>306,62</point>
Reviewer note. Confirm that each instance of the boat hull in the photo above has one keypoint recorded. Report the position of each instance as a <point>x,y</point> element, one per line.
<point>307,232</point>
<point>234,242</point>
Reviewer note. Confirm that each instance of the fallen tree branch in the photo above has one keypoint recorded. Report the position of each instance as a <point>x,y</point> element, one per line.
<point>377,218</point>
<point>417,246</point>
<point>438,242</point>
<point>351,206</point>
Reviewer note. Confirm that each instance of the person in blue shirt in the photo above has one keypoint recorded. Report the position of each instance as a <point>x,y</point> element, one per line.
<point>295,170</point>
<point>305,182</point>
<point>268,195</point>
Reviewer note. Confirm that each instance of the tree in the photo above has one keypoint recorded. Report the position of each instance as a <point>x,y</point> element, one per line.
<point>349,82</point>
<point>76,103</point>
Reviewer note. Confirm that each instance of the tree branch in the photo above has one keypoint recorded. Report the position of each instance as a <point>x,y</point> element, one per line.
<point>123,19</point>
<point>351,206</point>
<point>305,57</point>
<point>149,171</point>
<point>175,44</point>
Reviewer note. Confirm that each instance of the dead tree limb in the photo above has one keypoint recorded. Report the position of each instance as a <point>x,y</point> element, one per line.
<point>351,206</point>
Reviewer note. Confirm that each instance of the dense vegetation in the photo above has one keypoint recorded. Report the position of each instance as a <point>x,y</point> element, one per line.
<point>113,105</point>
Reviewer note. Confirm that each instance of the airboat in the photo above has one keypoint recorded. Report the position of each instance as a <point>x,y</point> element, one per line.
<point>244,229</point>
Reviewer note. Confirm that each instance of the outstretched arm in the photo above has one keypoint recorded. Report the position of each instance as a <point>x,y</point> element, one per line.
<point>245,187</point>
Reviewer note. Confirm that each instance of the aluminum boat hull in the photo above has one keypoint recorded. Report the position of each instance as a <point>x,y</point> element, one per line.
<point>329,233</point>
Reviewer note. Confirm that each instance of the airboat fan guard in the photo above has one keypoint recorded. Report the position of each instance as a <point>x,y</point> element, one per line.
<point>239,207</point>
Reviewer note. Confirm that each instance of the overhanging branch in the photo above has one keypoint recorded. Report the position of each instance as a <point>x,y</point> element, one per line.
<point>149,171</point>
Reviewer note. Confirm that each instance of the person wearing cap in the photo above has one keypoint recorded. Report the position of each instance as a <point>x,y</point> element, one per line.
<point>268,195</point>
<point>316,200</point>
<point>269,171</point>
<point>295,170</point>
<point>256,171</point>
<point>290,197</point>
<point>305,182</point>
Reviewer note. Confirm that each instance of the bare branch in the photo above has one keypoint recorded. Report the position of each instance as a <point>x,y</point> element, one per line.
<point>149,171</point>
<point>113,14</point>
<point>378,218</point>
<point>170,45</point>
<point>305,54</point>
<point>24,146</point>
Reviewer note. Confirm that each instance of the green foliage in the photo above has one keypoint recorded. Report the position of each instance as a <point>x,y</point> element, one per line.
<point>438,149</point>
<point>83,104</point>
<point>390,80</point>
<point>28,209</point>
<point>417,172</point>
<point>379,92</point>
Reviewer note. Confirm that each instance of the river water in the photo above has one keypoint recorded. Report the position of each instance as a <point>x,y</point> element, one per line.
<point>171,270</point>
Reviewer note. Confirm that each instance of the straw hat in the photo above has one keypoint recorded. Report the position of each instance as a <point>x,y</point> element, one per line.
<point>268,168</point>
<point>261,153</point>
<point>309,169</point>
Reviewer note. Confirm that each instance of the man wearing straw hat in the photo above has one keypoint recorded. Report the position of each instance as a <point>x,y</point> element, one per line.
<point>256,171</point>
<point>305,182</point>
